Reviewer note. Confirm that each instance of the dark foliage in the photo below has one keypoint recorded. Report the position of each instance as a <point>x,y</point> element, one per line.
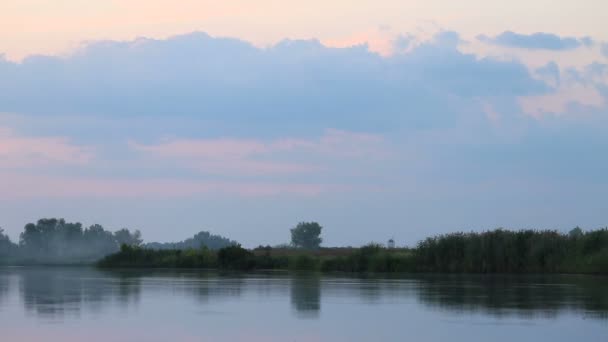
<point>201,239</point>
<point>134,256</point>
<point>236,258</point>
<point>7,247</point>
<point>526,251</point>
<point>57,241</point>
<point>233,257</point>
<point>497,251</point>
<point>372,258</point>
<point>306,235</point>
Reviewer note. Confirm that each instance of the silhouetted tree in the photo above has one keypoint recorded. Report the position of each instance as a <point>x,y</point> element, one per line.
<point>235,257</point>
<point>201,239</point>
<point>576,233</point>
<point>3,237</point>
<point>306,235</point>
<point>7,248</point>
<point>53,240</point>
<point>100,240</point>
<point>125,237</point>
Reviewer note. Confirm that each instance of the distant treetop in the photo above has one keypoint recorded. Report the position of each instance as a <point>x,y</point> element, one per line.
<point>307,235</point>
<point>199,240</point>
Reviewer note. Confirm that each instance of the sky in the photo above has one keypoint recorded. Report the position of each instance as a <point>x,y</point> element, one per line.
<point>379,119</point>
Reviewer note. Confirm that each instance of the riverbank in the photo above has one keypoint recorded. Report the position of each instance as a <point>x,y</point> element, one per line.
<point>370,258</point>
<point>497,251</point>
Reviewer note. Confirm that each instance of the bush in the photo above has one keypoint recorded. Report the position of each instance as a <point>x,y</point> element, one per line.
<point>495,251</point>
<point>236,258</point>
<point>304,262</point>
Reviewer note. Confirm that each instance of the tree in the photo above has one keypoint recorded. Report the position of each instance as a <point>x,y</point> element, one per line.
<point>576,233</point>
<point>6,246</point>
<point>100,241</point>
<point>125,237</point>
<point>199,240</point>
<point>306,235</point>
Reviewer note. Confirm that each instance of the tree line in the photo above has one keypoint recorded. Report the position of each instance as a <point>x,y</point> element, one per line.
<point>55,240</point>
<point>200,239</point>
<point>52,240</point>
<point>496,251</point>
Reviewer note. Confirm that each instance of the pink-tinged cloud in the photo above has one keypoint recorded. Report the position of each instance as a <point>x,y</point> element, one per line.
<point>380,41</point>
<point>35,186</point>
<point>22,152</point>
<point>557,103</point>
<point>259,157</point>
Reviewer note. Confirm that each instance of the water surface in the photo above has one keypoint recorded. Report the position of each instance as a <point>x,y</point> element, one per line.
<point>85,304</point>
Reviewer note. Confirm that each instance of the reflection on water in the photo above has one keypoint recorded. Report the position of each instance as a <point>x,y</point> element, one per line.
<point>54,291</point>
<point>172,302</point>
<point>306,295</point>
<point>525,296</point>
<point>50,292</point>
<point>3,289</point>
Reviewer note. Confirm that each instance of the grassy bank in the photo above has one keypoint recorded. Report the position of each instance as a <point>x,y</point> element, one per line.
<point>497,251</point>
<point>370,258</point>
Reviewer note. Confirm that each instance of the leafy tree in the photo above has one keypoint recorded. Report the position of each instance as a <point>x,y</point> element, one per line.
<point>55,240</point>
<point>306,235</point>
<point>6,246</point>
<point>125,237</point>
<point>37,239</point>
<point>576,233</point>
<point>235,257</point>
<point>201,239</point>
<point>99,240</point>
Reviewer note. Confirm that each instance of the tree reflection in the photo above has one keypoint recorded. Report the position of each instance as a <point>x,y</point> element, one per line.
<point>208,285</point>
<point>4,286</point>
<point>524,296</point>
<point>57,292</point>
<point>306,295</point>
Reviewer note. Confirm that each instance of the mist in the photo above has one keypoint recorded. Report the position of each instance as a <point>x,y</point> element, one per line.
<point>55,241</point>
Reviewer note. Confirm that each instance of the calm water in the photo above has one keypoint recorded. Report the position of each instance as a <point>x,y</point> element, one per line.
<point>81,304</point>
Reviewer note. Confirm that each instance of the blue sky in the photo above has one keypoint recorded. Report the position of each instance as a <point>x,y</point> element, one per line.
<point>442,132</point>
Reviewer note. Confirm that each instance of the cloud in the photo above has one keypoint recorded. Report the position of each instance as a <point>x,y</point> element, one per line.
<point>449,39</point>
<point>258,157</point>
<point>605,49</point>
<point>573,87</point>
<point>58,187</point>
<point>536,41</point>
<point>218,114</point>
<point>560,101</point>
<point>550,73</point>
<point>294,85</point>
<point>18,151</point>
<point>403,42</point>
<point>594,74</point>
<point>186,129</point>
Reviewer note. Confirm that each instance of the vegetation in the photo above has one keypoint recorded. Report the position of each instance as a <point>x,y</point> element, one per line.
<point>526,251</point>
<point>7,248</point>
<point>55,241</point>
<point>498,251</point>
<point>201,239</point>
<point>134,256</point>
<point>52,241</point>
<point>306,235</point>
